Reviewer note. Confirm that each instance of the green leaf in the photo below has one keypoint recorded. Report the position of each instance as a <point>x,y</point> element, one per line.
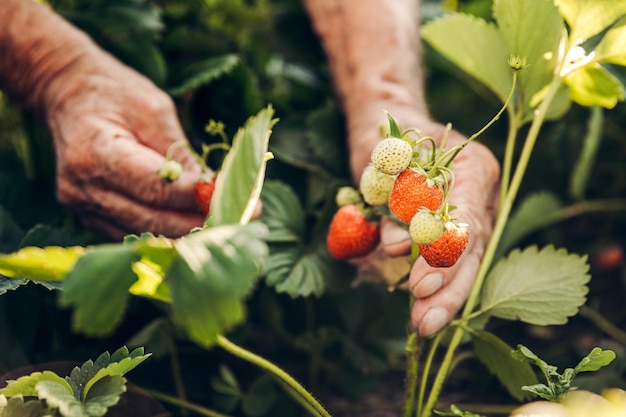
<point>104,394</point>
<point>496,355</point>
<point>593,85</point>
<point>292,267</point>
<point>239,184</point>
<point>325,144</point>
<point>10,284</point>
<point>538,287</point>
<point>612,46</point>
<point>296,272</point>
<point>150,282</point>
<point>587,18</point>
<point>80,376</point>
<point>475,46</point>
<point>25,385</point>
<point>595,360</point>
<point>394,129</point>
<point>282,213</point>
<point>541,390</point>
<point>560,104</point>
<point>532,214</point>
<point>455,411</point>
<point>522,353</point>
<point>57,396</point>
<point>98,286</point>
<point>120,363</point>
<point>52,263</point>
<point>10,231</point>
<point>201,73</point>
<point>531,29</point>
<point>591,143</point>
<point>259,398</point>
<point>16,407</point>
<point>209,279</point>
<point>226,383</point>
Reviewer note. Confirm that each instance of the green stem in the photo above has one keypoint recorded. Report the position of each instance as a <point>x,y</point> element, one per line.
<point>427,366</point>
<point>263,363</point>
<point>501,221</point>
<point>178,380</point>
<point>203,411</point>
<point>603,324</point>
<point>448,157</point>
<point>507,163</point>
<point>412,349</point>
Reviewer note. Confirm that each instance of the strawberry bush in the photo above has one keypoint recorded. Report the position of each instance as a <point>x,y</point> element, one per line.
<point>534,79</point>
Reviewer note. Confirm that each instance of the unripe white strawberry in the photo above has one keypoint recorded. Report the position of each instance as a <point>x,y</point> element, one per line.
<point>375,186</point>
<point>425,227</point>
<point>392,156</point>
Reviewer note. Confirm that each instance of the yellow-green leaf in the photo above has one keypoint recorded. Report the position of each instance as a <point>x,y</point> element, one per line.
<point>593,85</point>
<point>612,47</point>
<point>150,281</point>
<point>51,263</point>
<point>587,18</point>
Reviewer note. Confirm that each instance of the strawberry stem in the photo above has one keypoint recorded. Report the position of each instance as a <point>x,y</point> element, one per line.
<point>309,401</point>
<point>446,158</point>
<point>488,257</point>
<point>178,144</point>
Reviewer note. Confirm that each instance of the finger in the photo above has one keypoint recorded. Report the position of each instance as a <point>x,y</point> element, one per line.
<point>432,313</point>
<point>162,132</point>
<point>123,215</point>
<point>394,239</point>
<point>127,167</point>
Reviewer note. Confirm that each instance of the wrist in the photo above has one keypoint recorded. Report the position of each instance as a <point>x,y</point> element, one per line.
<point>41,45</point>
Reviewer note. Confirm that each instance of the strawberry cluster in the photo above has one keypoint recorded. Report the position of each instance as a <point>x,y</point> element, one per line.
<point>410,181</point>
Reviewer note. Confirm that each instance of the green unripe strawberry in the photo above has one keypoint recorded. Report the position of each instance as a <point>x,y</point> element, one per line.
<point>346,196</point>
<point>392,156</point>
<point>425,227</point>
<point>170,170</point>
<point>375,186</point>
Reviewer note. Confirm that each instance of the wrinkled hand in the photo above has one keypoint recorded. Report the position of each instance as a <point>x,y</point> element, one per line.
<point>112,128</point>
<point>441,292</point>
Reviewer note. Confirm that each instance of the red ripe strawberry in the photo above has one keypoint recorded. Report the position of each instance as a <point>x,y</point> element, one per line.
<point>448,248</point>
<point>411,192</point>
<point>203,192</point>
<point>351,234</point>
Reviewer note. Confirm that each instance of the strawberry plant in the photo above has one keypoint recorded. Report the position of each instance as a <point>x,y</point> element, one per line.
<point>537,75</point>
<point>88,391</point>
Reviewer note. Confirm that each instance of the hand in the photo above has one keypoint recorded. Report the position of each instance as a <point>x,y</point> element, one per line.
<point>441,292</point>
<point>112,128</point>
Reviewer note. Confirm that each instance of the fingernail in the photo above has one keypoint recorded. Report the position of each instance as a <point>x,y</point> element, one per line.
<point>433,321</point>
<point>428,285</point>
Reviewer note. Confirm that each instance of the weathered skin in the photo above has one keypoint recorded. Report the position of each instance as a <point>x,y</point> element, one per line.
<point>111,128</point>
<point>111,125</point>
